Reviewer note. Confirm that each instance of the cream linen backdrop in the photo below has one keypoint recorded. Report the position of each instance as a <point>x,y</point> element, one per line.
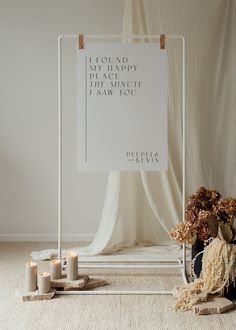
<point>141,207</point>
<point>210,30</point>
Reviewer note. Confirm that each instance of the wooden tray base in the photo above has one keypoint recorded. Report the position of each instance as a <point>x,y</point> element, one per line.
<point>214,305</point>
<point>92,283</point>
<point>65,283</point>
<point>34,296</point>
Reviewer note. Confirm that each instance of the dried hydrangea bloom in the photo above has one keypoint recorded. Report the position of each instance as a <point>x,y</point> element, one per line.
<point>199,207</point>
<point>201,225</point>
<point>225,209</point>
<point>203,204</point>
<point>204,199</point>
<point>183,232</point>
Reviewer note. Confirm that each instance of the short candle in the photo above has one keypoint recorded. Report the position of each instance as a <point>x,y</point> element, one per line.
<point>30,276</point>
<point>72,266</point>
<point>44,283</point>
<point>55,269</point>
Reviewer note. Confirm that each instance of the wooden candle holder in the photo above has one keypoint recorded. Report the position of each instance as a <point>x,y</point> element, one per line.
<point>63,282</point>
<point>35,295</point>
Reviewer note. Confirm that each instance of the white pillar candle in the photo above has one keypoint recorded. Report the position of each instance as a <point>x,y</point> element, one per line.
<point>55,269</point>
<point>30,276</point>
<point>44,283</point>
<point>72,266</point>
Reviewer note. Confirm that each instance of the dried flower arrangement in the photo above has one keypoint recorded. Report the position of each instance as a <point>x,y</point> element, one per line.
<point>208,216</point>
<point>219,267</point>
<point>202,206</point>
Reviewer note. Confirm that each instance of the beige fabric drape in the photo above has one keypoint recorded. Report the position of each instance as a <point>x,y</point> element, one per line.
<point>210,122</point>
<point>209,27</point>
<point>140,208</point>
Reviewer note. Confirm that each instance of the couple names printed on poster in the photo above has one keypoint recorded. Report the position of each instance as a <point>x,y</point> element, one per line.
<point>122,107</point>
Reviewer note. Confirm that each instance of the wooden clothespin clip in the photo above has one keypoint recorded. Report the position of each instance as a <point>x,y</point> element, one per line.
<point>162,41</point>
<point>81,41</point>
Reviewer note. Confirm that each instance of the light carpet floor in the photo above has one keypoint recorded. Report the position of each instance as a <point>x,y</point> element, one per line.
<point>96,312</point>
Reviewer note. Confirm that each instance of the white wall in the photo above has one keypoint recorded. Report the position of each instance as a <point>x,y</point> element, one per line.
<point>28,123</point>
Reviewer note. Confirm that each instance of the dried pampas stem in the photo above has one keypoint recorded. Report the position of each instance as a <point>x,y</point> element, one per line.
<point>218,271</point>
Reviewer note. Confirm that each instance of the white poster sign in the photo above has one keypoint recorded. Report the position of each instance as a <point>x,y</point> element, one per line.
<point>122,107</point>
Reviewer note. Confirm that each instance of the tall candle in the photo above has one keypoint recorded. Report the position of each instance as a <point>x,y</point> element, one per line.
<point>44,283</point>
<point>72,266</point>
<point>55,269</point>
<point>30,276</point>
